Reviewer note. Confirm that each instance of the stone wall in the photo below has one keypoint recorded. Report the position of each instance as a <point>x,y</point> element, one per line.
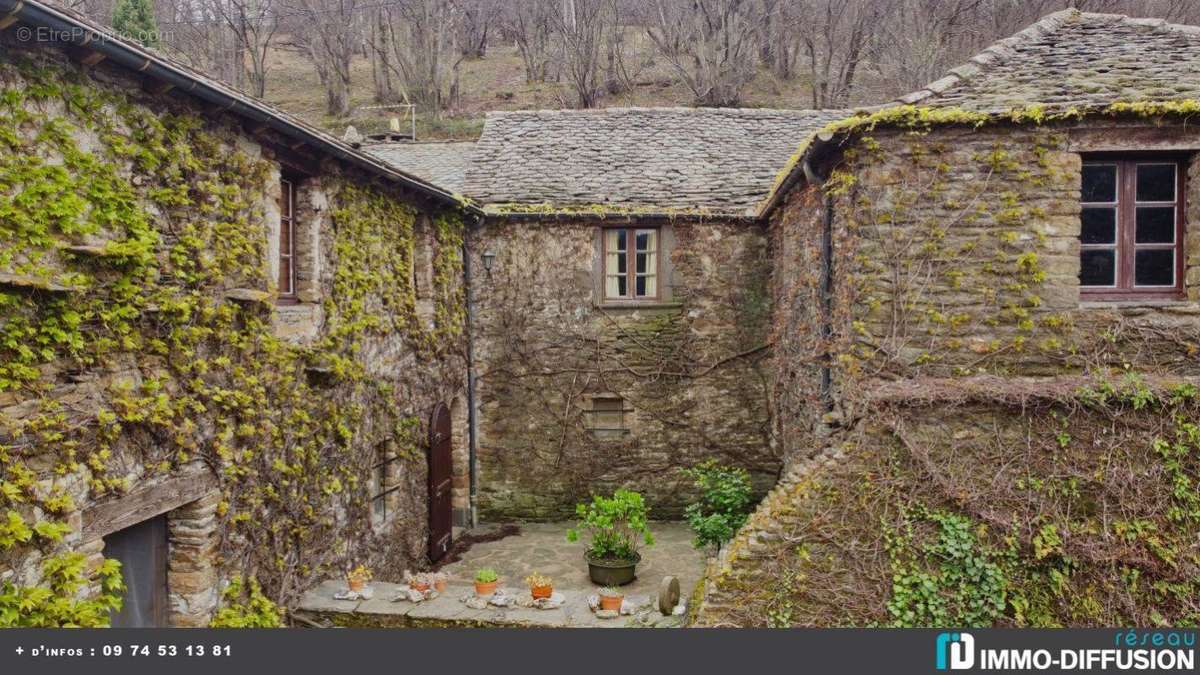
<point>980,502</point>
<point>961,256</point>
<point>140,342</point>
<point>956,261</point>
<point>691,370</point>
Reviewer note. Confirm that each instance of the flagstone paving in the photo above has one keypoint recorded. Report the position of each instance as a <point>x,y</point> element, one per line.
<point>540,547</point>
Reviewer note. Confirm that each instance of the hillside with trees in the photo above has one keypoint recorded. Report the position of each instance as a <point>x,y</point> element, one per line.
<point>335,62</point>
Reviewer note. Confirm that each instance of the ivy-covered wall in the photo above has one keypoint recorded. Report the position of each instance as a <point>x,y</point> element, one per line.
<point>691,371</point>
<point>993,451</point>
<point>138,343</point>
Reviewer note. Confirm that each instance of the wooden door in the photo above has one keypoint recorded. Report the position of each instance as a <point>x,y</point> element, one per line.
<point>142,550</point>
<point>440,505</point>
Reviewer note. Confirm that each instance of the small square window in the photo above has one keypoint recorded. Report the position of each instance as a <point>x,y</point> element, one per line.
<point>609,417</point>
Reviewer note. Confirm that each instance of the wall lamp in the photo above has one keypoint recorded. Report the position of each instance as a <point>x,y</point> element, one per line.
<point>489,258</point>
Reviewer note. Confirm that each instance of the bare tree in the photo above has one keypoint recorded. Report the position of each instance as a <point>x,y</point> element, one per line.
<point>326,31</point>
<point>195,33</point>
<point>477,21</point>
<point>583,28</point>
<point>418,42</point>
<point>530,24</point>
<point>253,26</point>
<point>711,44</point>
<point>834,39</point>
<point>379,40</point>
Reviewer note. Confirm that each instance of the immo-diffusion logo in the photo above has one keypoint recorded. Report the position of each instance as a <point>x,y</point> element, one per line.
<point>1137,650</point>
<point>955,651</point>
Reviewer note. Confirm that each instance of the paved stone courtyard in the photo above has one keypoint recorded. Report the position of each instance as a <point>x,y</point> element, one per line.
<point>540,547</point>
<point>543,547</point>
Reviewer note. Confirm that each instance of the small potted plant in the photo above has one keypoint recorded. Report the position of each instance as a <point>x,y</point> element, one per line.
<point>439,581</point>
<point>540,586</point>
<point>420,582</point>
<point>617,525</point>
<point>486,580</point>
<point>611,598</point>
<point>357,578</point>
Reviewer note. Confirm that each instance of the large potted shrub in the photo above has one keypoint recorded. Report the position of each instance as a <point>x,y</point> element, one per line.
<point>617,525</point>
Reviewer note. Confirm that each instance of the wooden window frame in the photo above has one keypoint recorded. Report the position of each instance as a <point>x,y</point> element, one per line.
<point>287,223</point>
<point>609,433</point>
<point>631,264</point>
<point>1126,245</point>
<point>380,493</point>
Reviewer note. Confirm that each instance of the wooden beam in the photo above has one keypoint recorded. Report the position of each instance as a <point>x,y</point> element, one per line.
<point>157,87</point>
<point>10,18</point>
<point>85,56</point>
<point>143,503</point>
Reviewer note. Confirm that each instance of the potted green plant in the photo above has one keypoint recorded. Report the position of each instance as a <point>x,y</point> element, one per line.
<point>617,525</point>
<point>486,580</point>
<point>540,585</point>
<point>611,598</point>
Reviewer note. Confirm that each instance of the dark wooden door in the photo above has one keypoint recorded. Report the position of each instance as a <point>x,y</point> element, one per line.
<point>440,505</point>
<point>142,550</point>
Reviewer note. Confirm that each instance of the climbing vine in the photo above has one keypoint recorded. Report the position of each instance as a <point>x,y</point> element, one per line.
<point>124,356</point>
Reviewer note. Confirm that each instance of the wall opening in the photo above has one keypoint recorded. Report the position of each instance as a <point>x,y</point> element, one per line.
<point>142,551</point>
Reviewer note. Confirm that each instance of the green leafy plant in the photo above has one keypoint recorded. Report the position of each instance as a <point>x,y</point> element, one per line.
<point>617,524</point>
<point>610,592</point>
<point>486,575</point>
<point>57,604</point>
<point>725,503</point>
<point>953,580</point>
<point>247,607</point>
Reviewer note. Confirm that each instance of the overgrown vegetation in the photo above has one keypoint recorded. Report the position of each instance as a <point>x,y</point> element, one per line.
<point>121,359</point>
<point>245,606</point>
<point>1072,509</point>
<point>725,502</point>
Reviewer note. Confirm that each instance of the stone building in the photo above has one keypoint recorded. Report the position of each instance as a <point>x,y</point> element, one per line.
<point>985,339</point>
<point>621,302</point>
<point>229,343</point>
<point>962,327</point>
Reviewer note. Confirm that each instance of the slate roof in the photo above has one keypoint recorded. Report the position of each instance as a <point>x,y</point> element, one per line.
<point>442,163</point>
<point>668,160</point>
<point>1073,58</point>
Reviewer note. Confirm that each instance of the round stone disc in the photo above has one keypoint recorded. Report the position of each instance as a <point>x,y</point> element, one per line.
<point>668,595</point>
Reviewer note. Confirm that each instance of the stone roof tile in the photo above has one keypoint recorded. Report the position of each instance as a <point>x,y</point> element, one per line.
<point>1075,59</point>
<point>443,164</point>
<point>712,160</point>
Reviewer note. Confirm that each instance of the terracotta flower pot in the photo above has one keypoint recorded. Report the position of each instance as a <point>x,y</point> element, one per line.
<point>539,592</point>
<point>420,588</point>
<point>439,585</point>
<point>611,602</point>
<point>484,590</point>
<point>356,585</point>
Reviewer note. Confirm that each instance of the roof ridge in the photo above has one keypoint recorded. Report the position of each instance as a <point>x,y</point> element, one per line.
<point>680,109</point>
<point>993,54</point>
<point>1004,48</point>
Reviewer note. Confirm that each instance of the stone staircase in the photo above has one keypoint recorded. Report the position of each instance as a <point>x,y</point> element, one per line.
<point>739,565</point>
